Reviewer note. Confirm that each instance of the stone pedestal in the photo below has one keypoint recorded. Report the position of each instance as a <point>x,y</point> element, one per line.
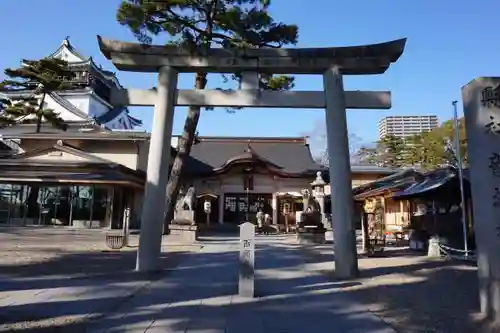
<point>185,233</point>
<point>433,250</point>
<point>185,217</point>
<point>310,230</point>
<point>311,235</point>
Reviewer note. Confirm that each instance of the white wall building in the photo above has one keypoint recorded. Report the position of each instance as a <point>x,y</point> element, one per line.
<point>403,126</point>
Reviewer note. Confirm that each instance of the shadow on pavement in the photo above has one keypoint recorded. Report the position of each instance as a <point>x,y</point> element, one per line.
<point>200,294</point>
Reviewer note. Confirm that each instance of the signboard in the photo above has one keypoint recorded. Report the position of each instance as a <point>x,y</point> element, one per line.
<point>246,283</point>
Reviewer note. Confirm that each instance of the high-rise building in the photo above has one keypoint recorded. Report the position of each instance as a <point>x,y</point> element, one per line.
<point>403,126</point>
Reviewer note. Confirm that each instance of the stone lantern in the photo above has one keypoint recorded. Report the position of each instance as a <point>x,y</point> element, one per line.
<point>318,187</point>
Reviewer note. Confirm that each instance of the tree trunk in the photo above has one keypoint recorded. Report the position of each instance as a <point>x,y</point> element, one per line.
<point>39,115</point>
<point>189,132</point>
<point>183,151</point>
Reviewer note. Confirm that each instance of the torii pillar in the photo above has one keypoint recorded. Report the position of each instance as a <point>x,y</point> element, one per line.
<point>344,230</point>
<point>153,208</point>
<point>332,63</point>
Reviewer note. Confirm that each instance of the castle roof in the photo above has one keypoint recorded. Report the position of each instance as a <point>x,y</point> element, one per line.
<point>77,61</point>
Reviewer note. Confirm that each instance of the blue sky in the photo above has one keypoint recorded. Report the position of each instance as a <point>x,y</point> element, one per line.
<point>449,44</point>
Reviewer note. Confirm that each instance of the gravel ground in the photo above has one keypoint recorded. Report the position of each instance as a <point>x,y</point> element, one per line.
<point>412,293</point>
<point>54,251</point>
<point>63,261</point>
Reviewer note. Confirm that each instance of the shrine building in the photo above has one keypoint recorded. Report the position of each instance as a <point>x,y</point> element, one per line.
<point>88,179</point>
<point>241,175</point>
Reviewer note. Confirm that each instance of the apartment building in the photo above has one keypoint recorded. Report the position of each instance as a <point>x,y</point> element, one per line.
<point>403,126</point>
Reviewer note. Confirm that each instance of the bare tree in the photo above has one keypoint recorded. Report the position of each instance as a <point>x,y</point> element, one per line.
<point>319,143</point>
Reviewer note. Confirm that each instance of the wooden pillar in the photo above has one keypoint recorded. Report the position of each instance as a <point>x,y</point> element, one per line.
<point>221,207</point>
<point>401,212</point>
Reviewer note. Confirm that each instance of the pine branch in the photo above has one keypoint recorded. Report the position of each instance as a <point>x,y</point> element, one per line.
<point>41,77</point>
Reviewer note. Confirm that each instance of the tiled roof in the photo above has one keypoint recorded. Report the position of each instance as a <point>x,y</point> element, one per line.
<point>69,172</point>
<point>113,113</point>
<point>134,121</point>
<point>364,169</point>
<point>74,135</point>
<point>432,181</point>
<point>373,169</point>
<point>67,44</point>
<point>87,63</point>
<point>290,156</point>
<point>386,183</point>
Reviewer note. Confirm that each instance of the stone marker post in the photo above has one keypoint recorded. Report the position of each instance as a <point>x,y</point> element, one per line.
<point>246,284</point>
<point>126,225</point>
<point>481,100</point>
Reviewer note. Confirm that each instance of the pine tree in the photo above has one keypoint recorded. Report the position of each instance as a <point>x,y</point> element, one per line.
<point>198,25</point>
<point>365,156</point>
<point>38,78</point>
<point>413,151</point>
<point>390,151</point>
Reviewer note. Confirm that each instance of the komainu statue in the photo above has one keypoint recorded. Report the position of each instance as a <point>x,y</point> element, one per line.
<point>183,225</point>
<point>187,201</point>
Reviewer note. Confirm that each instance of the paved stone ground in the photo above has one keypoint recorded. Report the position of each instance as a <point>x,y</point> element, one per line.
<point>411,292</point>
<point>55,280</point>
<point>42,268</point>
<point>200,297</point>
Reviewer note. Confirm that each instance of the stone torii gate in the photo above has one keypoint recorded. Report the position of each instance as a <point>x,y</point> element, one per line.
<point>332,63</point>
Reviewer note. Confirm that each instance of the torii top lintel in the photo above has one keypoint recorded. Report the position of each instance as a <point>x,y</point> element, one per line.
<point>353,60</point>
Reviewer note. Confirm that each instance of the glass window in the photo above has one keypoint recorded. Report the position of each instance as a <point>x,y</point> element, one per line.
<point>82,202</point>
<point>62,206</point>
<point>47,199</point>
<point>32,202</point>
<point>100,204</point>
<point>17,207</point>
<point>4,202</point>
